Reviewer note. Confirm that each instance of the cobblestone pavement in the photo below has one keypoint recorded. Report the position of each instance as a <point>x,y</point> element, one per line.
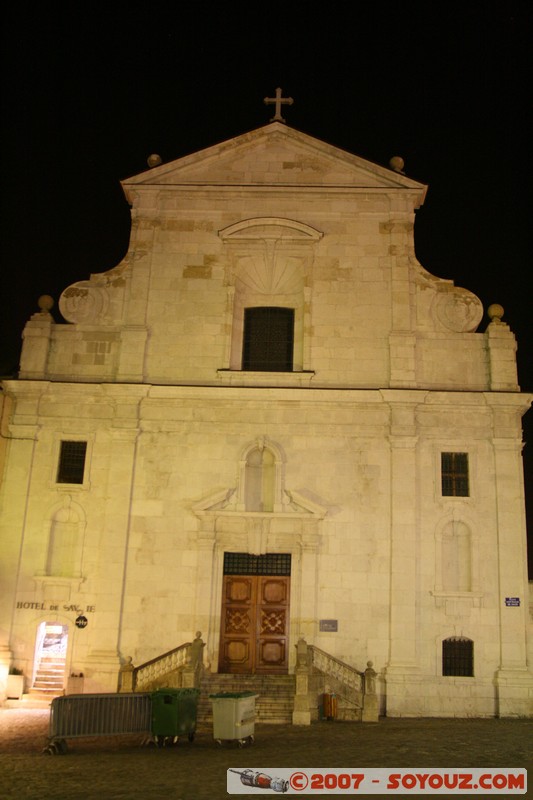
<point>114,768</point>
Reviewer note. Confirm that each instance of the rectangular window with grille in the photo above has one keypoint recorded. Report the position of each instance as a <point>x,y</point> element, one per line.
<point>71,466</point>
<point>268,339</point>
<point>454,475</point>
<point>249,564</point>
<point>458,657</point>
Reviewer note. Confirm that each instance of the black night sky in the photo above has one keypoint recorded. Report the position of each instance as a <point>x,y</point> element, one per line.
<point>88,94</point>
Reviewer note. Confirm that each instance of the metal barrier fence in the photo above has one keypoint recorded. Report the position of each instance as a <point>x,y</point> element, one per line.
<point>78,715</point>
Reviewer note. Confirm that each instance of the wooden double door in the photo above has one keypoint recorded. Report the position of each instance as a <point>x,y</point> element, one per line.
<point>254,633</point>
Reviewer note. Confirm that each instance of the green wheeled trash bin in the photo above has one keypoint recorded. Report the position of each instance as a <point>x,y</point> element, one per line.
<point>234,717</point>
<point>173,715</point>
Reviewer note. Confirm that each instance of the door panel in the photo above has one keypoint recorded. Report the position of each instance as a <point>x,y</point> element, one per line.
<point>272,623</point>
<point>238,624</point>
<point>255,624</point>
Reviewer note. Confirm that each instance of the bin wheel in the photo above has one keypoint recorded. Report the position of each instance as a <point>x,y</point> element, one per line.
<point>61,746</point>
<point>166,741</point>
<point>190,737</point>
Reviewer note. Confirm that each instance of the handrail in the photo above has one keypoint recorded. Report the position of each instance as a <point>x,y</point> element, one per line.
<point>330,665</point>
<point>167,662</point>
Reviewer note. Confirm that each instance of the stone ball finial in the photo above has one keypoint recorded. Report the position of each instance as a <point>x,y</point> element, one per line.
<point>495,312</point>
<point>154,160</point>
<point>45,303</point>
<point>397,163</point>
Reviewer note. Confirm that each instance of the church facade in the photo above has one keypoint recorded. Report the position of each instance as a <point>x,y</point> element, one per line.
<point>269,422</point>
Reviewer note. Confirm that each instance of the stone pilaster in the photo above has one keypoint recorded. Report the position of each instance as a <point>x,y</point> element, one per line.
<point>514,680</point>
<point>36,337</point>
<point>402,666</point>
<point>134,333</point>
<point>501,353</point>
<point>208,586</point>
<point>133,340</point>
<point>402,342</point>
<point>104,634</point>
<point>5,662</point>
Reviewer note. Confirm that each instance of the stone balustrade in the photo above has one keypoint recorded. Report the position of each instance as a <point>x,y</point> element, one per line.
<point>337,669</point>
<point>318,672</point>
<point>180,667</point>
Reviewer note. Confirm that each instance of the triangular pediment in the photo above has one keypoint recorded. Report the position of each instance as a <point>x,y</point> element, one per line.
<point>274,155</point>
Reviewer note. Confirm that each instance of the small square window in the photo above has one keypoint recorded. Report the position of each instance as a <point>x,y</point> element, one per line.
<point>454,475</point>
<point>71,466</point>
<point>458,657</point>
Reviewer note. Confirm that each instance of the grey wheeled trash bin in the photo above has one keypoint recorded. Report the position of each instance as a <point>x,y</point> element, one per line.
<point>234,717</point>
<point>174,714</point>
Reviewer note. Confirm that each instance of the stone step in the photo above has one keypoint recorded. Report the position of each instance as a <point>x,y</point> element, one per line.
<point>52,672</point>
<point>41,684</point>
<point>49,675</point>
<point>275,695</point>
<point>42,694</point>
<point>52,668</point>
<point>30,701</point>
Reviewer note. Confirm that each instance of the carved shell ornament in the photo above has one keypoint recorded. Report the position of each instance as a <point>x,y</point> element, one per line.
<point>270,254</point>
<point>458,309</point>
<point>270,272</point>
<point>83,302</point>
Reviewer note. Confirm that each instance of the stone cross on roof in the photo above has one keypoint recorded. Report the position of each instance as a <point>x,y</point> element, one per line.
<point>278,100</point>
